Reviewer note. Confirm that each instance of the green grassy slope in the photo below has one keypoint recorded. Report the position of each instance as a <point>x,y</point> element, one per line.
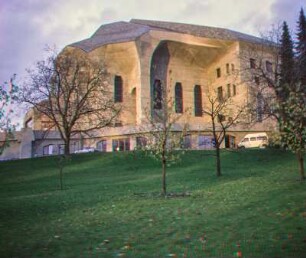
<point>110,207</point>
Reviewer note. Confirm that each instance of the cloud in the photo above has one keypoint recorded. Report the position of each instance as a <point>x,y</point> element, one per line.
<point>284,10</point>
<point>27,26</point>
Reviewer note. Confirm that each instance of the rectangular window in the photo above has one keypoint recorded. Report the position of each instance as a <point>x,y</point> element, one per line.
<point>187,142</point>
<point>233,68</point>
<point>256,79</point>
<point>228,90</point>
<point>118,89</point>
<point>141,142</point>
<point>269,68</point>
<point>102,145</point>
<point>227,68</point>
<point>218,72</point>
<point>252,63</point>
<point>205,142</point>
<point>234,90</point>
<point>220,94</point>
<point>121,144</point>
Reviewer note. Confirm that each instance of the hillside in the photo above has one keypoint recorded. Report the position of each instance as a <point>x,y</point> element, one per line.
<point>111,207</point>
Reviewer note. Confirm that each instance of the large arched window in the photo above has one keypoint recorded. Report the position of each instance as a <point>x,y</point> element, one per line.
<point>118,89</point>
<point>178,98</point>
<point>197,100</point>
<point>157,95</point>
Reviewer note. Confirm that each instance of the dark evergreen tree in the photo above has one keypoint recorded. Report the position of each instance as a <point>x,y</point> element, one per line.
<point>287,65</point>
<point>301,49</point>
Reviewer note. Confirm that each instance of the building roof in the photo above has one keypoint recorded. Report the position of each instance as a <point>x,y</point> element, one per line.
<point>128,31</point>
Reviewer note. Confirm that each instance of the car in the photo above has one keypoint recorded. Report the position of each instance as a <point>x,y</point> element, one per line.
<point>85,150</point>
<point>254,140</point>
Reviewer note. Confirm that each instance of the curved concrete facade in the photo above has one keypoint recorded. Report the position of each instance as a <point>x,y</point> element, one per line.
<point>141,52</point>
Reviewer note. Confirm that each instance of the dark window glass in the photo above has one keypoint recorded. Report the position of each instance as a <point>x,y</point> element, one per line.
<point>260,107</point>
<point>187,142</point>
<point>234,90</point>
<point>227,68</point>
<point>220,94</point>
<point>178,98</point>
<point>252,63</point>
<point>157,95</point>
<point>141,142</point>
<point>269,67</point>
<point>121,144</point>
<point>257,81</point>
<point>228,90</point>
<point>118,89</point>
<point>197,100</point>
<point>102,145</point>
<point>218,72</point>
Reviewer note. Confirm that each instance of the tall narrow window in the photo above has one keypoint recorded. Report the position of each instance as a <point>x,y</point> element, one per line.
<point>218,72</point>
<point>233,68</point>
<point>178,98</point>
<point>234,90</point>
<point>228,90</point>
<point>269,67</point>
<point>260,107</point>
<point>197,100</point>
<point>252,63</point>
<point>157,95</point>
<point>118,89</point>
<point>220,94</point>
<point>227,68</point>
<point>257,80</point>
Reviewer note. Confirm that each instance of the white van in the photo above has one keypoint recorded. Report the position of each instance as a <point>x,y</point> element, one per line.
<point>254,140</point>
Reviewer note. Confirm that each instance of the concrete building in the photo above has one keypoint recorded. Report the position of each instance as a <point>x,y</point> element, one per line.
<point>191,61</point>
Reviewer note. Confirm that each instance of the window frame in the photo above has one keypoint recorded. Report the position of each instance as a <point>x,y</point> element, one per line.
<point>118,89</point>
<point>197,99</point>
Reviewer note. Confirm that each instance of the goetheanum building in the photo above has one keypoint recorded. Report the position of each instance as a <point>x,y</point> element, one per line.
<point>191,61</point>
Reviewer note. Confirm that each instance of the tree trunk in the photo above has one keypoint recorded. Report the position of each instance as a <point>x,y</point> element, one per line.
<point>218,161</point>
<point>301,164</point>
<point>61,173</point>
<point>164,190</point>
<point>67,147</point>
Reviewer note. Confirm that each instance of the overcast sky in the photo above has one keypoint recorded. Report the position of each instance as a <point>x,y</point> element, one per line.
<point>27,26</point>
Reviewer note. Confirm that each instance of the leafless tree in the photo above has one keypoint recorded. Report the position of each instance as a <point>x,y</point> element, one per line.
<point>164,131</point>
<point>224,114</point>
<point>8,95</point>
<point>72,91</point>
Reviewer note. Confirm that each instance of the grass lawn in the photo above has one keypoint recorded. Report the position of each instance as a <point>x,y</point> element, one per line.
<point>111,208</point>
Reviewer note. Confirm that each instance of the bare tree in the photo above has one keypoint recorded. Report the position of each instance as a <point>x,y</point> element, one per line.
<point>224,114</point>
<point>260,65</point>
<point>164,133</point>
<point>72,91</point>
<point>8,95</point>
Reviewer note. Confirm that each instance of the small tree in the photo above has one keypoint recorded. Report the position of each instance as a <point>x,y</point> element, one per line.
<point>8,95</point>
<point>164,135</point>
<point>294,127</point>
<point>224,114</point>
<point>73,92</point>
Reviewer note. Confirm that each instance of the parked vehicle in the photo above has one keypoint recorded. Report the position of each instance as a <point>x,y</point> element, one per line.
<point>85,150</point>
<point>254,140</point>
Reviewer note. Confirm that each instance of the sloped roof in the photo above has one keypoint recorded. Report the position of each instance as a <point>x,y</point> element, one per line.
<point>128,31</point>
<point>198,30</point>
<point>112,33</point>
